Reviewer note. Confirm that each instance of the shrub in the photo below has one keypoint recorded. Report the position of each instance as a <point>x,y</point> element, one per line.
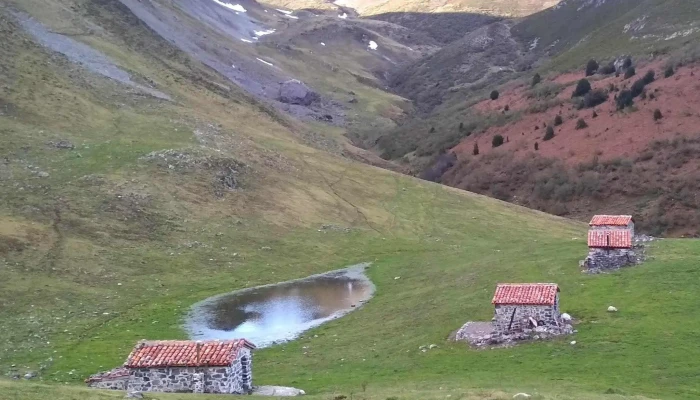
<point>549,134</point>
<point>558,120</point>
<point>476,149</point>
<point>497,141</point>
<point>494,95</point>
<point>669,72</point>
<point>652,96</point>
<point>537,146</point>
<point>624,99</point>
<point>536,79</point>
<point>595,114</point>
<point>591,67</point>
<point>627,63</point>
<point>594,98</point>
<point>582,87</point>
<point>432,129</point>
<point>506,108</point>
<point>643,96</point>
<point>461,126</point>
<point>607,69</point>
<point>630,72</point>
<point>657,115</point>
<point>649,77</point>
<point>581,124</point>
<point>638,87</point>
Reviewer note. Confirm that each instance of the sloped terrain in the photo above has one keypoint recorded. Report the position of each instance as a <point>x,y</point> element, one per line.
<point>509,8</point>
<point>121,207</point>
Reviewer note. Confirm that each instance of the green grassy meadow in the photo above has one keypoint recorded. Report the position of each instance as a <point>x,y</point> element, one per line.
<point>103,245</point>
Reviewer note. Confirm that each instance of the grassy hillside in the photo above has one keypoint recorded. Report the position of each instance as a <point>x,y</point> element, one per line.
<point>119,210</point>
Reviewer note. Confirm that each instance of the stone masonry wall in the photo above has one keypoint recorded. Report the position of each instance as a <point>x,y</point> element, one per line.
<point>504,312</point>
<point>609,259</point>
<point>110,384</point>
<point>186,380</point>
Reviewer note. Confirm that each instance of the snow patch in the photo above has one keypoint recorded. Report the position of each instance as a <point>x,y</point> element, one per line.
<point>263,33</point>
<point>343,16</point>
<point>246,40</point>
<point>534,43</point>
<point>373,45</point>
<point>323,44</point>
<point>234,7</point>
<point>285,12</point>
<point>265,62</point>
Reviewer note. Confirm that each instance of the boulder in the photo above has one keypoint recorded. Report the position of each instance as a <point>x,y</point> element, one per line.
<point>566,317</point>
<point>277,391</point>
<point>134,395</point>
<point>296,92</point>
<point>612,309</point>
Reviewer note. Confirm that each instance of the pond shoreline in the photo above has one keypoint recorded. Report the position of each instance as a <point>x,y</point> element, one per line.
<point>200,315</point>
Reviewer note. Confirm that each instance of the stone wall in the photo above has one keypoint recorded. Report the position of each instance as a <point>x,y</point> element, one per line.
<point>520,315</point>
<point>599,260</point>
<point>110,384</point>
<point>191,380</point>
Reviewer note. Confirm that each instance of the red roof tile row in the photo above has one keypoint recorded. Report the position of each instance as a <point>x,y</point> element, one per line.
<point>612,239</point>
<point>615,220</point>
<point>526,293</point>
<point>173,353</point>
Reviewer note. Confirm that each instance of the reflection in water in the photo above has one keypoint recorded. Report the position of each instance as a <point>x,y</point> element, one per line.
<point>281,312</point>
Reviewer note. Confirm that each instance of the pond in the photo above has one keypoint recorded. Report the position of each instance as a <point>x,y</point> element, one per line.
<point>271,314</point>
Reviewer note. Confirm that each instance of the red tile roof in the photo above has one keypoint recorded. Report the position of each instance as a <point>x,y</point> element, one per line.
<point>526,293</point>
<point>616,220</point>
<point>613,239</point>
<point>186,353</point>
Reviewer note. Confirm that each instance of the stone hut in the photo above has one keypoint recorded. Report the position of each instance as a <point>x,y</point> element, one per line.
<point>525,305</point>
<point>612,223</point>
<point>609,250</point>
<point>610,243</point>
<point>184,367</point>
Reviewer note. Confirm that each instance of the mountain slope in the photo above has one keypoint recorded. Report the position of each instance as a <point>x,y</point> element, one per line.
<point>121,207</point>
<point>509,8</point>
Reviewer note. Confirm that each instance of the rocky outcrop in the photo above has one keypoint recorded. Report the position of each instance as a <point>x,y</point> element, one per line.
<point>296,92</point>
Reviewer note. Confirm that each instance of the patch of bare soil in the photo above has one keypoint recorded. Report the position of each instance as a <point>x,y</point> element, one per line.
<point>609,134</point>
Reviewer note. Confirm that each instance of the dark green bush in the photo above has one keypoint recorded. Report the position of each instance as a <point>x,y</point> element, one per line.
<point>628,63</point>
<point>558,120</point>
<point>649,77</point>
<point>669,72</point>
<point>594,98</point>
<point>630,72</point>
<point>536,79</point>
<point>608,69</point>
<point>537,146</point>
<point>582,87</point>
<point>581,124</point>
<point>591,67</point>
<point>549,134</point>
<point>638,87</point>
<point>657,115</point>
<point>476,149</point>
<point>494,95</point>
<point>624,99</point>
<point>497,141</point>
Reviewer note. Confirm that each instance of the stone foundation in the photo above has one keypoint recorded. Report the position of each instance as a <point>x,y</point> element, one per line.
<point>474,334</point>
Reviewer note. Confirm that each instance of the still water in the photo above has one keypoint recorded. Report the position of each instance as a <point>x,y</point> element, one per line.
<point>276,313</point>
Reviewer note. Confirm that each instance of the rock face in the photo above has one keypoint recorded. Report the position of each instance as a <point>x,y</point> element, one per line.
<point>296,92</point>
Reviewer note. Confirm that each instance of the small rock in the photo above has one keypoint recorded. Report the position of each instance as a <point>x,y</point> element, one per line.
<point>566,317</point>
<point>134,395</point>
<point>397,278</point>
<point>573,342</point>
<point>432,346</point>
<point>42,174</point>
<point>30,375</point>
<point>612,309</point>
<point>521,396</point>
